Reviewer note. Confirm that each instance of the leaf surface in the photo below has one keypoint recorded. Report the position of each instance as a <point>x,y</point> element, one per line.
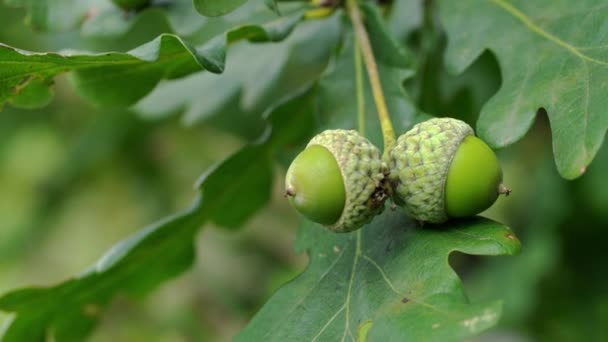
<point>338,91</point>
<point>214,8</point>
<point>121,79</point>
<point>552,55</point>
<point>153,255</point>
<point>389,280</point>
<point>57,15</point>
<point>249,85</point>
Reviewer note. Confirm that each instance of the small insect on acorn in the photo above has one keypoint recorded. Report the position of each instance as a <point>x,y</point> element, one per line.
<point>441,170</point>
<point>338,180</point>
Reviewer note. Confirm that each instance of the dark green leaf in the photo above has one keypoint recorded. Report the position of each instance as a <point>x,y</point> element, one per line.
<point>230,193</point>
<point>112,21</point>
<point>134,265</point>
<point>215,8</point>
<point>338,96</point>
<point>246,174</point>
<point>390,277</point>
<point>552,55</point>
<point>251,84</point>
<point>386,49</point>
<point>292,121</point>
<point>123,78</point>
<point>272,4</point>
<point>405,16</point>
<point>57,15</point>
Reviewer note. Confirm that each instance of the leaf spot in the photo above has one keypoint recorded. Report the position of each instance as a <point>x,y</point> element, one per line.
<point>336,249</point>
<point>472,322</point>
<point>404,300</point>
<point>582,170</point>
<point>436,325</point>
<point>91,310</point>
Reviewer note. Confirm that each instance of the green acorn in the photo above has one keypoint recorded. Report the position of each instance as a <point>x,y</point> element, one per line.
<point>131,4</point>
<point>338,180</point>
<point>440,169</point>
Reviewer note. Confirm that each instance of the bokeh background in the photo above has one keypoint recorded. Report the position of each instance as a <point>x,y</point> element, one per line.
<point>76,178</point>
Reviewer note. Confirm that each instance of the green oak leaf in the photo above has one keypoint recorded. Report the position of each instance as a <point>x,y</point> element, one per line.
<point>178,16</point>
<point>404,17</point>
<point>273,6</point>
<point>215,8</point>
<point>339,82</point>
<point>57,15</point>
<point>387,49</point>
<point>552,55</point>
<point>114,78</point>
<point>155,254</point>
<point>111,21</point>
<point>249,85</point>
<point>388,281</point>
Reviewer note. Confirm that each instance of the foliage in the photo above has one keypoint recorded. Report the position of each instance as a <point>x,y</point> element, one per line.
<point>272,74</point>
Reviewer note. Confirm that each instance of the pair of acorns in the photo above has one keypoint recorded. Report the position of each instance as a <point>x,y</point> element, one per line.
<point>437,170</point>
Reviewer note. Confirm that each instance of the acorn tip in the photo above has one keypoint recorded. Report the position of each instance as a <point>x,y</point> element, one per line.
<point>289,192</point>
<point>503,190</point>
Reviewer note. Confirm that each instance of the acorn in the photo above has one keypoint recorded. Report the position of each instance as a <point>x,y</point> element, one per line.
<point>441,170</point>
<point>338,180</point>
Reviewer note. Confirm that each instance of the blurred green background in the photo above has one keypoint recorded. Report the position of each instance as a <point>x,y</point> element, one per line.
<point>75,179</point>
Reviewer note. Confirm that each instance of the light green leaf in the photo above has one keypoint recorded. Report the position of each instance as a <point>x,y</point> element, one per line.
<point>37,93</point>
<point>391,275</point>
<point>552,55</point>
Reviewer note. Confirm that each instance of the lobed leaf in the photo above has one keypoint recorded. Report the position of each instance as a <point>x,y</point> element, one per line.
<point>390,280</point>
<point>387,50</point>
<point>404,17</point>
<point>339,83</point>
<point>552,55</point>
<point>123,78</point>
<point>214,8</point>
<point>107,20</point>
<point>250,85</point>
<point>57,15</point>
<point>138,264</point>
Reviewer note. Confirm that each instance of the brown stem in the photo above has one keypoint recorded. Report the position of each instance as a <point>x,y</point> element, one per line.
<point>388,132</point>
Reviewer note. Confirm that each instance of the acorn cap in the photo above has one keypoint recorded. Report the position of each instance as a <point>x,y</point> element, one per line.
<point>420,162</point>
<point>363,172</point>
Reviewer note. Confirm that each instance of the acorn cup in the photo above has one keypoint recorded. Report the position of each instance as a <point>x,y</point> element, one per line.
<point>338,180</point>
<point>441,170</point>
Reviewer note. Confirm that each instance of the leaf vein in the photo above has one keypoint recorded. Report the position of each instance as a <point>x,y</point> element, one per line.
<point>512,10</point>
